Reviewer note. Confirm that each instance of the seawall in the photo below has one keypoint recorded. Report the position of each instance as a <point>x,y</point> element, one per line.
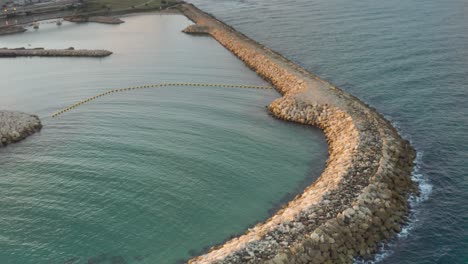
<point>16,126</point>
<point>361,197</point>
<point>96,19</point>
<point>53,53</point>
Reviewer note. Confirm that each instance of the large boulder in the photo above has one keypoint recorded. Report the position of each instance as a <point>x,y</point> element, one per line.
<point>16,126</point>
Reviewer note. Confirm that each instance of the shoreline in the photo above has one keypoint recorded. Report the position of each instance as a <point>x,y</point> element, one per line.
<point>361,197</point>
<point>109,15</point>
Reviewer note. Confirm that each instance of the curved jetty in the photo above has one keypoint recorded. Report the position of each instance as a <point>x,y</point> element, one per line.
<point>16,126</point>
<point>360,199</point>
<point>70,52</point>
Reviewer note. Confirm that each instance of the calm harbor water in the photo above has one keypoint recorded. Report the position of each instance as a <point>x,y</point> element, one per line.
<point>409,59</point>
<point>150,176</point>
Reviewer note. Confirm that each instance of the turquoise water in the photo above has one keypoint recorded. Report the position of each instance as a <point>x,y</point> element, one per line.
<point>150,176</point>
<point>407,58</point>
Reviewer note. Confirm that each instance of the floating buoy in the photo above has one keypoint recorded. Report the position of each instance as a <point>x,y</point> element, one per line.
<point>152,86</point>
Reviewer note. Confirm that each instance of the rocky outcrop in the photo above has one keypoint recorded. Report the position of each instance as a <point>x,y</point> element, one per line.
<point>196,30</point>
<point>96,19</point>
<point>361,197</point>
<point>22,52</point>
<point>16,126</point>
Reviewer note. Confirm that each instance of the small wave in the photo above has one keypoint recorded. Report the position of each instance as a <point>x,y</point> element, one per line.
<point>425,189</point>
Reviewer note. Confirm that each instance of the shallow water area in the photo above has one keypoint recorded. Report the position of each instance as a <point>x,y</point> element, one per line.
<point>148,176</point>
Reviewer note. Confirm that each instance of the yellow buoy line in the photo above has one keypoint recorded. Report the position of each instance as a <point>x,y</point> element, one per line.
<point>155,86</point>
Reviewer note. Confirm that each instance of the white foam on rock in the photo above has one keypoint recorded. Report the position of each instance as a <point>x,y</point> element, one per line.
<point>414,201</point>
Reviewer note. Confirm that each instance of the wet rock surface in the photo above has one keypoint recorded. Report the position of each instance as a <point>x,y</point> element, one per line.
<point>361,198</point>
<point>16,126</point>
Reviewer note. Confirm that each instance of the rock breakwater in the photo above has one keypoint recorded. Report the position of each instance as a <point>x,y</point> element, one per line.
<point>16,126</point>
<point>96,19</point>
<point>196,30</point>
<point>70,52</point>
<point>361,197</point>
<point>11,30</point>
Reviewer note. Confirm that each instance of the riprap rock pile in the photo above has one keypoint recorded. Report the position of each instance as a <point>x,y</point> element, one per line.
<point>16,126</point>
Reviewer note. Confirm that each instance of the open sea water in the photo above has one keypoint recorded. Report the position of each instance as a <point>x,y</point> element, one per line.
<point>408,59</point>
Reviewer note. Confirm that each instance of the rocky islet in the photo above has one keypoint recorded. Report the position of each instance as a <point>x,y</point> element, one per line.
<point>16,126</point>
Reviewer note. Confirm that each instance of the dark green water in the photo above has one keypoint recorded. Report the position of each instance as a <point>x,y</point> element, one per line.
<point>409,59</point>
<point>145,177</point>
